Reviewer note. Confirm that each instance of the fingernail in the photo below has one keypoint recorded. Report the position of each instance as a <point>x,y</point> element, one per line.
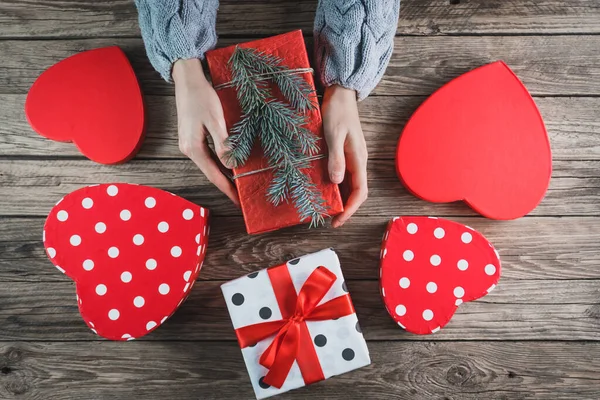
<point>336,177</point>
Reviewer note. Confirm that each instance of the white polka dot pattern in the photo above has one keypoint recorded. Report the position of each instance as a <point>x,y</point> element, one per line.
<point>100,227</point>
<point>62,215</point>
<point>87,203</point>
<point>113,239</point>
<point>88,265</point>
<point>126,277</point>
<point>163,226</point>
<point>138,239</point>
<point>431,266</point>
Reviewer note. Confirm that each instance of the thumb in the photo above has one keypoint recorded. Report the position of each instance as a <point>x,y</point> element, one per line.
<point>218,131</point>
<point>337,162</point>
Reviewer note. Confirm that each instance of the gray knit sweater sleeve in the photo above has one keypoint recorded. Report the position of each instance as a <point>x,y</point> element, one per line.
<point>354,40</point>
<point>177,29</point>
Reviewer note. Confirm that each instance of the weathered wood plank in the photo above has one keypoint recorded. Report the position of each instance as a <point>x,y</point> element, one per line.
<point>32,187</point>
<point>531,248</point>
<point>548,65</point>
<point>573,129</point>
<point>400,370</point>
<point>515,310</point>
<point>113,18</point>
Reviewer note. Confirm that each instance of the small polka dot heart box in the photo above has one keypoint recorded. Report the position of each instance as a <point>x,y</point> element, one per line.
<point>295,323</point>
<point>429,267</point>
<point>133,251</point>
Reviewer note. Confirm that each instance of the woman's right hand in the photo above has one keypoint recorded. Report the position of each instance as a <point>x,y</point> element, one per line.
<point>199,114</point>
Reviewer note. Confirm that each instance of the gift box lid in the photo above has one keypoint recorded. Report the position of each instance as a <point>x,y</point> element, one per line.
<point>92,99</point>
<point>429,267</point>
<point>339,343</point>
<point>480,138</point>
<point>133,251</point>
<point>261,216</point>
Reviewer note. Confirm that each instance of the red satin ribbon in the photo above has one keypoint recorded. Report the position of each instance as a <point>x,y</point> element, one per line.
<point>292,340</point>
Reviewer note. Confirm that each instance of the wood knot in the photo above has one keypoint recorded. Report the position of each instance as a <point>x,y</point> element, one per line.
<point>434,28</point>
<point>16,385</point>
<point>593,312</point>
<point>458,374</point>
<point>5,370</point>
<point>13,355</point>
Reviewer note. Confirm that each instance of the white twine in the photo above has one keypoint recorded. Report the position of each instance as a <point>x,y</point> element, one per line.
<point>266,75</point>
<point>298,162</point>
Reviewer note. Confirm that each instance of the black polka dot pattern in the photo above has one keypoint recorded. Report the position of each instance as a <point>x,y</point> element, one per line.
<point>344,287</point>
<point>320,340</point>
<point>358,327</point>
<point>263,384</point>
<point>294,261</point>
<point>265,313</point>
<point>237,299</point>
<point>348,354</point>
<point>253,275</point>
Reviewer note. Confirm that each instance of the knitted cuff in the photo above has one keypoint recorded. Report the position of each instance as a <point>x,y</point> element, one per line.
<point>175,29</point>
<point>354,42</point>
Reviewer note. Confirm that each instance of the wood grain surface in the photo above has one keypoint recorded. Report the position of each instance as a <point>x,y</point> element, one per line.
<point>531,248</point>
<point>537,335</point>
<point>548,65</point>
<point>32,187</point>
<point>118,18</point>
<point>515,310</point>
<point>571,122</point>
<point>202,370</point>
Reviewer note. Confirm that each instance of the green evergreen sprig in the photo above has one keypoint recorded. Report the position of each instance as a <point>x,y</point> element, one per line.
<point>280,128</point>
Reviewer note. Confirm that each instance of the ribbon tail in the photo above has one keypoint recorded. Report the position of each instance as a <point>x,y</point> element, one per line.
<point>311,370</point>
<point>284,358</point>
<point>268,356</point>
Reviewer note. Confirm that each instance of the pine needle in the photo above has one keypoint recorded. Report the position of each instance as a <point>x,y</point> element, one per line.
<point>280,127</point>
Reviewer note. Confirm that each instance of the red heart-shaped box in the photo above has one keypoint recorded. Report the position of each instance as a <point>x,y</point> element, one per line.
<point>480,139</point>
<point>92,99</point>
<point>133,251</point>
<point>430,266</point>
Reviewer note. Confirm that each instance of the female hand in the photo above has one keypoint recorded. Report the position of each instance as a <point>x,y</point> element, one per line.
<point>347,147</point>
<point>199,114</point>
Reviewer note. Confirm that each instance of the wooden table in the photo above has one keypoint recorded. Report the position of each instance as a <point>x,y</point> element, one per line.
<point>536,335</point>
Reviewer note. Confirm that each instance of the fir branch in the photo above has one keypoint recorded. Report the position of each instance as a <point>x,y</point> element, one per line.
<point>241,140</point>
<point>250,93</point>
<point>307,199</point>
<point>293,87</point>
<point>280,127</point>
<point>288,123</point>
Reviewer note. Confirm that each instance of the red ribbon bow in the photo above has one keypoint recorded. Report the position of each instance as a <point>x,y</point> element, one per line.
<point>292,340</point>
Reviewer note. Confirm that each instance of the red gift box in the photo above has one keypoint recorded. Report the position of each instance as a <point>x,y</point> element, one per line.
<point>259,214</point>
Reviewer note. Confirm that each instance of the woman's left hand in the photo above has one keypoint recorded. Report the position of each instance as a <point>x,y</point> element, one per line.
<point>347,147</point>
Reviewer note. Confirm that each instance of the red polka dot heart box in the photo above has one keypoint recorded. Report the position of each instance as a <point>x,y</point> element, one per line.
<point>295,323</point>
<point>429,267</point>
<point>133,251</point>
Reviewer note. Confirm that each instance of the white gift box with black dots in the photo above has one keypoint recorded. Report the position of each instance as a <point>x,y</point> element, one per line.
<point>339,343</point>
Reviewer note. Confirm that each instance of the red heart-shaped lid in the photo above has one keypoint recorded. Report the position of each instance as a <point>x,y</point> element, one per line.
<point>430,266</point>
<point>93,100</point>
<point>133,251</point>
<point>480,139</point>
